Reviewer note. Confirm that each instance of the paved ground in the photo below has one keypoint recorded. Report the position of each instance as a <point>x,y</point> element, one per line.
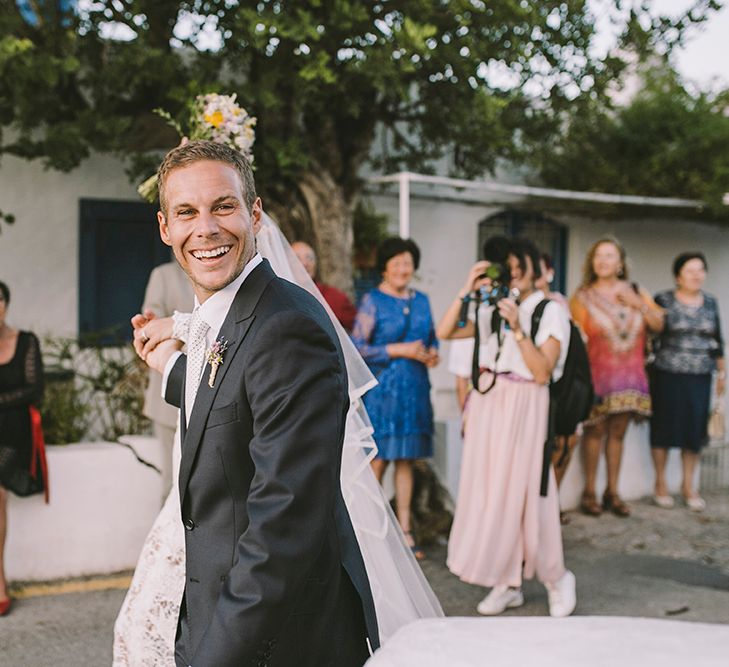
<point>659,563</point>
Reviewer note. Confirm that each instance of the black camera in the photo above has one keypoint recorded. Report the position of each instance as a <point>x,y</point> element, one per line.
<point>500,277</point>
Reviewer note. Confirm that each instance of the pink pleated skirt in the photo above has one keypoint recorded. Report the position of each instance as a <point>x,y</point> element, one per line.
<point>503,530</point>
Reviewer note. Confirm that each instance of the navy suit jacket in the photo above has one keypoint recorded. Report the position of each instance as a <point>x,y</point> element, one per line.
<point>274,572</point>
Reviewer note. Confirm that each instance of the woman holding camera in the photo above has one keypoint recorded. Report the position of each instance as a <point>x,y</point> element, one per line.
<point>503,530</point>
<point>615,316</point>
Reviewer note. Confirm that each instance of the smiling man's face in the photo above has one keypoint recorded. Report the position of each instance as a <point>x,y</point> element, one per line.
<point>207,224</point>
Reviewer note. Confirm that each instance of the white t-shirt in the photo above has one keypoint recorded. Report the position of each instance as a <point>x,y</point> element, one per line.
<point>554,323</point>
<point>460,357</point>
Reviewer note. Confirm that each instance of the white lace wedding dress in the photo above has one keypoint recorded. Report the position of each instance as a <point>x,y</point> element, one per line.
<point>144,632</point>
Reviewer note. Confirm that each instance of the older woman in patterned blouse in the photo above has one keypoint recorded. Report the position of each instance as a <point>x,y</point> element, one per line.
<point>688,352</point>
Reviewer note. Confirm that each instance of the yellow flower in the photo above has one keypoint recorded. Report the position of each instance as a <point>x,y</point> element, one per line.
<point>215,119</point>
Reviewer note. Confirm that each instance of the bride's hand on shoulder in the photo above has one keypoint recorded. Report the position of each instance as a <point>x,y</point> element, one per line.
<point>150,331</point>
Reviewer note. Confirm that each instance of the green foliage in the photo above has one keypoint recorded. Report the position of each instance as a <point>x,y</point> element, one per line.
<point>100,392</point>
<point>319,75</point>
<point>66,416</point>
<point>370,227</point>
<point>665,142</point>
<point>334,83</point>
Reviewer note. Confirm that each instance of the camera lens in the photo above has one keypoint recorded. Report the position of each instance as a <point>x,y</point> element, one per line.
<point>494,271</point>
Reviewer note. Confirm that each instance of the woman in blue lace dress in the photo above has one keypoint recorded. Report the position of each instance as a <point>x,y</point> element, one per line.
<point>394,333</point>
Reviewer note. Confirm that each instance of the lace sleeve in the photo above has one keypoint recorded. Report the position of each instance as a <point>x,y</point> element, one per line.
<point>32,391</point>
<point>180,325</point>
<point>364,328</point>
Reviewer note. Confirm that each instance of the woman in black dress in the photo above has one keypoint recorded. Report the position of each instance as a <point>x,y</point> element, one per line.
<point>21,387</point>
<point>690,350</point>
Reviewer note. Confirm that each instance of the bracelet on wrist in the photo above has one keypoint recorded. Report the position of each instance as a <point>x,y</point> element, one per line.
<point>720,375</point>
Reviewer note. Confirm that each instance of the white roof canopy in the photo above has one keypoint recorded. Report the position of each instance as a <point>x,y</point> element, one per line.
<point>404,178</point>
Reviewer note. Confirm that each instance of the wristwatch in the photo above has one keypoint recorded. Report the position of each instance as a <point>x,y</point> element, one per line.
<point>519,335</point>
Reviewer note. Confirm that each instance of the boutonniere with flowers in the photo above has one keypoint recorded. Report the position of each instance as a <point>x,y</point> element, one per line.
<point>213,117</point>
<point>215,358</point>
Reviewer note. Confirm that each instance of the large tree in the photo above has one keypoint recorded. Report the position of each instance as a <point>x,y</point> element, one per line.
<point>666,141</point>
<point>335,84</point>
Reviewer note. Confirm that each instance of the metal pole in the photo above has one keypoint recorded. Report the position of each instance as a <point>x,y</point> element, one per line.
<point>404,180</point>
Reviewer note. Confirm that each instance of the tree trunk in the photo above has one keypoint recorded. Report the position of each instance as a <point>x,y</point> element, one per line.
<point>331,216</point>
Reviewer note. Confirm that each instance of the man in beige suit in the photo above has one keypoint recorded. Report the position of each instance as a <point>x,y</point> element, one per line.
<point>168,290</point>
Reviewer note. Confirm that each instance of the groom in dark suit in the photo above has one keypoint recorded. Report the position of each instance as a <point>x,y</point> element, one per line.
<point>274,575</point>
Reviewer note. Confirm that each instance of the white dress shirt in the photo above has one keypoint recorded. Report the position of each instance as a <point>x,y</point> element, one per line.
<point>460,357</point>
<point>213,311</point>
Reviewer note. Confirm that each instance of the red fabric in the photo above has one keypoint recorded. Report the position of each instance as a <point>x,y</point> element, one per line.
<point>340,304</point>
<point>39,449</point>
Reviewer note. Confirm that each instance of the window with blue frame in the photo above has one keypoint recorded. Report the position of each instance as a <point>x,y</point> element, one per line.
<point>119,247</point>
<point>548,235</point>
<point>60,8</point>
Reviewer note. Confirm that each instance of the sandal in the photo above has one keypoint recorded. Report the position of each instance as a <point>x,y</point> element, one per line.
<point>612,502</point>
<point>416,550</point>
<point>589,505</point>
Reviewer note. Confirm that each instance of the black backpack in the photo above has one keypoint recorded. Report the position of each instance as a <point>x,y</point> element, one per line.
<point>572,394</point>
<point>571,397</point>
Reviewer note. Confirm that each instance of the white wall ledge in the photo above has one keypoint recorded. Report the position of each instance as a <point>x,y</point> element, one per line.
<point>102,503</point>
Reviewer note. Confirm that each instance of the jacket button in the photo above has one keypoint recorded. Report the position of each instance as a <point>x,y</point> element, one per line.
<point>189,524</point>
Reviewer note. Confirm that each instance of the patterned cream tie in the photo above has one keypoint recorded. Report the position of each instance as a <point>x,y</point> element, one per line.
<point>196,344</point>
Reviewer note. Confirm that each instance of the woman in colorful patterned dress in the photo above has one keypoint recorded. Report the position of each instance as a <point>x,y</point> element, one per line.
<point>394,334</point>
<point>615,316</point>
<point>689,350</point>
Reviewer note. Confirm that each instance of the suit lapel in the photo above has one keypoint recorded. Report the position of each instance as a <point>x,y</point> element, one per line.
<point>235,327</point>
<point>183,411</point>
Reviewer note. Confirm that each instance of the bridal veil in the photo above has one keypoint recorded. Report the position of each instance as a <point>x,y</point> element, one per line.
<point>144,632</point>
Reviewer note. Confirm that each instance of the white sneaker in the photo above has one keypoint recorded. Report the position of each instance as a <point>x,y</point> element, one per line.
<point>562,596</point>
<point>499,599</point>
<point>696,503</point>
<point>666,502</point>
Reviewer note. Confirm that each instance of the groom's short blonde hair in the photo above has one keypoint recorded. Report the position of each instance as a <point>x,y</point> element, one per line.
<point>195,151</point>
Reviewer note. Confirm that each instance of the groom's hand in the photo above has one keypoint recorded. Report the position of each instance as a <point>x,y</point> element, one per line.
<point>158,357</point>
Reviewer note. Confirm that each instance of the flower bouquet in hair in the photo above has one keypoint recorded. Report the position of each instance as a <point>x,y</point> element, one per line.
<point>213,117</point>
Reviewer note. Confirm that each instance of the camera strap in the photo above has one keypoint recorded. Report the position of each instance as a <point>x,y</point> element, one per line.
<point>475,366</point>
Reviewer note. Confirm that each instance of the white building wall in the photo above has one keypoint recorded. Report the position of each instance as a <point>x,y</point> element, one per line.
<point>102,504</point>
<point>39,261</point>
<point>447,233</point>
<point>39,253</point>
